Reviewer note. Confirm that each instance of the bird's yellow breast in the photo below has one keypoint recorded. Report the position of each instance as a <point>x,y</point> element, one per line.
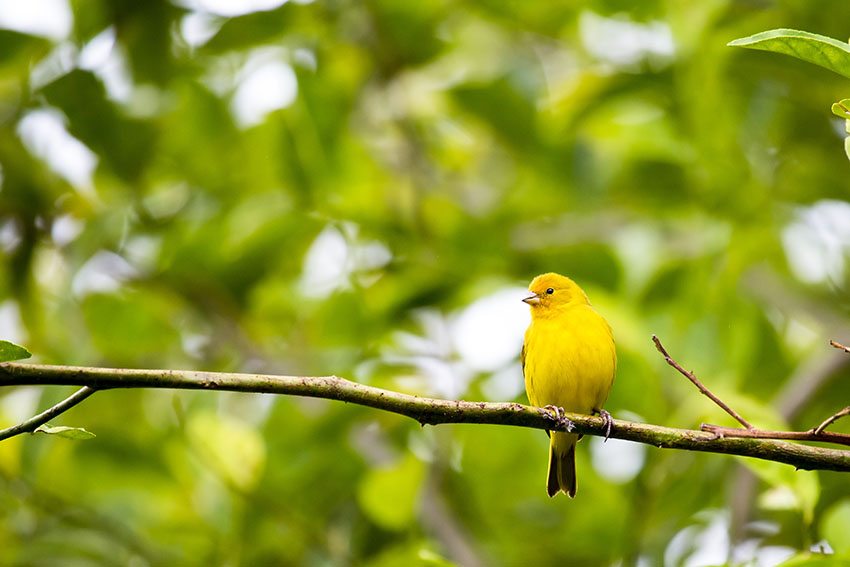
<point>569,360</point>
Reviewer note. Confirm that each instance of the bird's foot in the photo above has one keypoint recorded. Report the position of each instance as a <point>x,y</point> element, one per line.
<point>607,421</point>
<point>559,418</point>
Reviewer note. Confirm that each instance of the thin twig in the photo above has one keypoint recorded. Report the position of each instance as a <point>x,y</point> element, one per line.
<point>838,415</point>
<point>690,376</point>
<point>828,421</point>
<point>35,422</point>
<point>806,382</point>
<point>424,410</point>
<point>826,437</point>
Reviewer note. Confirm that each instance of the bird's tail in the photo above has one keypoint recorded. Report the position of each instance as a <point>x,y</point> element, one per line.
<point>562,464</point>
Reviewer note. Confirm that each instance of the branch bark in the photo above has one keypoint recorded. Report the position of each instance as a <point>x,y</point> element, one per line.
<point>811,435</point>
<point>830,420</point>
<point>425,410</point>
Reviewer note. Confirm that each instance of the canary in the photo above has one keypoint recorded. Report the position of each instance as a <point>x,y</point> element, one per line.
<point>569,361</point>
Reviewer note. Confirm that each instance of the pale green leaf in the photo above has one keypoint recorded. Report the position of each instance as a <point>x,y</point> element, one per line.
<point>791,489</point>
<point>825,51</point>
<point>234,448</point>
<point>388,496</point>
<point>842,108</point>
<point>809,559</point>
<point>64,431</point>
<point>11,351</point>
<point>835,525</point>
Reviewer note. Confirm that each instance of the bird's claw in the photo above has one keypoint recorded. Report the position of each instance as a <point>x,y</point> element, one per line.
<point>607,422</point>
<point>560,419</point>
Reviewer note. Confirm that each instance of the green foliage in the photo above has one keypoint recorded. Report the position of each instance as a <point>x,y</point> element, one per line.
<point>814,560</point>
<point>834,525</point>
<point>818,49</point>
<point>235,450</point>
<point>388,495</point>
<point>842,110</point>
<point>11,351</point>
<point>429,159</point>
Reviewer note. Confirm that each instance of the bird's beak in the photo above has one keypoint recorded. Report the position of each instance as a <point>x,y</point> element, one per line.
<point>532,299</point>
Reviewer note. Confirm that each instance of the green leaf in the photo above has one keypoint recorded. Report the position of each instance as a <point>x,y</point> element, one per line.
<point>791,489</point>
<point>235,449</point>
<point>809,559</point>
<point>388,495</point>
<point>131,326</point>
<point>835,525</point>
<point>11,351</point>
<point>63,431</point>
<point>842,108</point>
<point>502,106</point>
<point>21,47</point>
<point>257,28</point>
<point>818,49</point>
<point>125,144</point>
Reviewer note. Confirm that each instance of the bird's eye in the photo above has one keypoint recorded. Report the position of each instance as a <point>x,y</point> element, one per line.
<point>550,291</point>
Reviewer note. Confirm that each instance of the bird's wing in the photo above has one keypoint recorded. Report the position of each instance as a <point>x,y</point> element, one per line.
<point>522,358</point>
<point>522,361</point>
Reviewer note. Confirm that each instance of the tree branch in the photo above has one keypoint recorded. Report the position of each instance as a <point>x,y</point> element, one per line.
<point>811,435</point>
<point>814,434</point>
<point>818,431</point>
<point>424,410</point>
<point>690,376</point>
<point>35,422</point>
<point>839,414</point>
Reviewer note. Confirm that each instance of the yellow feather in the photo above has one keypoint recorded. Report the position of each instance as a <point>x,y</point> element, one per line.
<point>569,361</point>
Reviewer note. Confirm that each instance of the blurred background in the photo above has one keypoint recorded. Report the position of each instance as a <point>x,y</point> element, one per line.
<point>365,189</point>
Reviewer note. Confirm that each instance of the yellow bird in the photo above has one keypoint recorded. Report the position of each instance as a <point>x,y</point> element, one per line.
<point>569,362</point>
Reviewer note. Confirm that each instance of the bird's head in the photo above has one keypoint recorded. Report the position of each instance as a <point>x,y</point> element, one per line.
<point>553,291</point>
